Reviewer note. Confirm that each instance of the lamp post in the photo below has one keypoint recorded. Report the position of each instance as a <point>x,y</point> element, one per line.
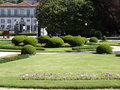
<point>39,29</point>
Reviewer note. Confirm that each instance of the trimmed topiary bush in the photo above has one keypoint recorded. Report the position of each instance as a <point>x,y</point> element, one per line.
<point>104,49</point>
<point>93,39</point>
<point>77,41</point>
<point>85,40</point>
<point>43,39</point>
<point>98,34</point>
<point>67,38</point>
<point>31,41</point>
<point>104,38</point>
<point>17,40</point>
<point>28,49</point>
<point>55,42</point>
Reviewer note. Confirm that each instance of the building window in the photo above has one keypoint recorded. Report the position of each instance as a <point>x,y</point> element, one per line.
<point>2,12</point>
<point>2,26</point>
<point>9,26</point>
<point>16,12</point>
<point>2,20</point>
<point>28,20</point>
<point>9,12</point>
<point>9,21</point>
<point>22,12</point>
<point>28,12</point>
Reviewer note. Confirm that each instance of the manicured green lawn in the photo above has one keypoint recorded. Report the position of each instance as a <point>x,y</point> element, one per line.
<point>61,63</point>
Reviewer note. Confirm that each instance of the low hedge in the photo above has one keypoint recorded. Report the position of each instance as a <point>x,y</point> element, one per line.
<point>28,34</point>
<point>13,58</point>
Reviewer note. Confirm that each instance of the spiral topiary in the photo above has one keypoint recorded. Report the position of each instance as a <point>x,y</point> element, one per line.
<point>17,40</point>
<point>55,42</point>
<point>77,41</point>
<point>28,49</point>
<point>93,39</point>
<point>104,49</point>
<point>31,41</point>
<point>43,39</point>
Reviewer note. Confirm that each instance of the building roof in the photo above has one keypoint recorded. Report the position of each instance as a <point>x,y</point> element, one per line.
<point>22,4</point>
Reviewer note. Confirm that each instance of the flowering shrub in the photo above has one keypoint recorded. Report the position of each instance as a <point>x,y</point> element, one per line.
<point>70,76</point>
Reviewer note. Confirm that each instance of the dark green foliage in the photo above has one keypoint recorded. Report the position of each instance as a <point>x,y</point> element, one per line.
<point>118,54</point>
<point>17,40</point>
<point>28,34</point>
<point>104,49</point>
<point>67,38</point>
<point>77,41</point>
<point>93,39</point>
<point>28,49</point>
<point>65,16</point>
<point>43,39</point>
<point>98,34</point>
<point>55,42</point>
<point>104,38</point>
<point>31,41</point>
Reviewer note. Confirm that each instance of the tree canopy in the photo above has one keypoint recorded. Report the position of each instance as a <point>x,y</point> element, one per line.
<point>109,13</point>
<point>65,16</point>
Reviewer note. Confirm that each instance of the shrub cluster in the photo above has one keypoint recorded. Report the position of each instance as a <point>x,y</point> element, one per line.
<point>17,40</point>
<point>43,39</point>
<point>77,41</point>
<point>28,49</point>
<point>67,38</point>
<point>55,42</point>
<point>31,41</point>
<point>93,39</point>
<point>104,49</point>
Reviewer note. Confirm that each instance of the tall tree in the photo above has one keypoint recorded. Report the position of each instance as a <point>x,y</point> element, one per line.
<point>109,13</point>
<point>65,16</point>
<point>19,1</point>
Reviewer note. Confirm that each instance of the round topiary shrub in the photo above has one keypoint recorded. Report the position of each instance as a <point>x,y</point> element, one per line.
<point>77,41</point>
<point>85,39</point>
<point>104,38</point>
<point>31,41</point>
<point>55,42</point>
<point>28,49</point>
<point>93,39</point>
<point>43,39</point>
<point>67,38</point>
<point>17,40</point>
<point>98,34</point>
<point>104,49</point>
